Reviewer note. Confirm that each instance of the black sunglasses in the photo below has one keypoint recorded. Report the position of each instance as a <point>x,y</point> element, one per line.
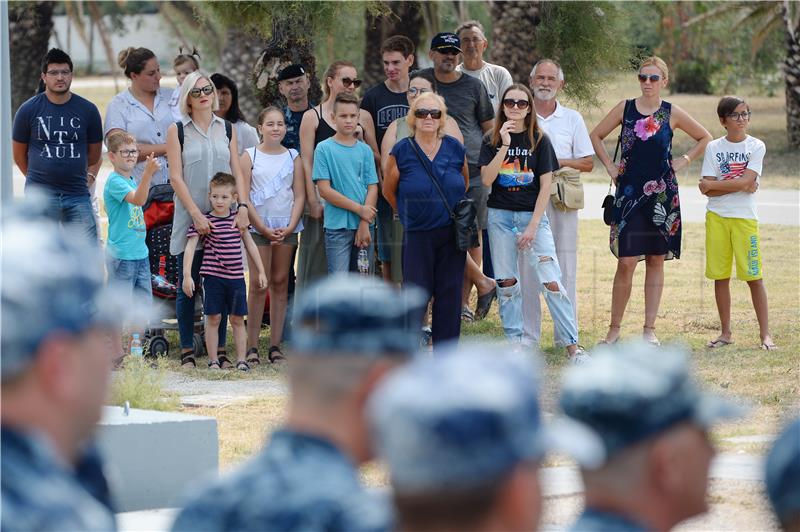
<point>207,90</point>
<point>519,104</point>
<point>350,81</point>
<point>424,113</point>
<point>652,77</point>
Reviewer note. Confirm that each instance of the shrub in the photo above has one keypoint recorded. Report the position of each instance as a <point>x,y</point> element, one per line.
<point>140,381</point>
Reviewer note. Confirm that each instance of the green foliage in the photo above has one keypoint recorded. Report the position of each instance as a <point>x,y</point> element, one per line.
<point>692,77</point>
<point>588,39</point>
<point>142,385</point>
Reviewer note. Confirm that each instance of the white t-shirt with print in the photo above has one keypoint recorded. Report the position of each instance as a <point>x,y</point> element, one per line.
<point>728,160</point>
<point>495,78</point>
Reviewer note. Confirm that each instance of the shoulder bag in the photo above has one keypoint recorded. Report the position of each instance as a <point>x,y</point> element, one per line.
<point>566,190</point>
<point>608,201</point>
<point>464,213</point>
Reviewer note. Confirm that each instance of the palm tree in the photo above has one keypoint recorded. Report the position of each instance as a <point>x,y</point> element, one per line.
<point>399,18</point>
<point>30,24</point>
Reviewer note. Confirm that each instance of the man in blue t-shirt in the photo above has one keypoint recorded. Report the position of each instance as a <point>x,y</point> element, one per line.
<point>57,136</point>
<point>293,85</point>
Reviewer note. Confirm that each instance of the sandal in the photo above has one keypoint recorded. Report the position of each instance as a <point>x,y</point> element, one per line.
<point>485,303</point>
<point>252,356</point>
<point>467,314</point>
<point>274,354</point>
<point>719,342</point>
<point>769,346</point>
<point>243,366</point>
<point>604,341</point>
<point>224,362</point>
<point>653,340</point>
<point>214,364</point>
<point>188,358</point>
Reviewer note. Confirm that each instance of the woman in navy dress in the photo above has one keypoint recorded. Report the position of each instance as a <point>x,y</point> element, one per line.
<point>647,214</point>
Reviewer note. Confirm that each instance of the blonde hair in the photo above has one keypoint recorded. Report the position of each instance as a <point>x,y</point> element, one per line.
<point>412,119</point>
<point>118,138</point>
<point>656,62</point>
<point>188,85</point>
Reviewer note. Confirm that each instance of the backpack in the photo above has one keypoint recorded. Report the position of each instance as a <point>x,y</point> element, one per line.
<point>228,132</point>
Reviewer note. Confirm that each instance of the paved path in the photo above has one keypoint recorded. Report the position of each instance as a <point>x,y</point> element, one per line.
<point>202,392</point>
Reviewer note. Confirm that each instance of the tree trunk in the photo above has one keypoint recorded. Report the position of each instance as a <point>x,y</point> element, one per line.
<point>514,36</point>
<point>405,19</point>
<point>30,24</point>
<point>791,70</point>
<point>239,55</point>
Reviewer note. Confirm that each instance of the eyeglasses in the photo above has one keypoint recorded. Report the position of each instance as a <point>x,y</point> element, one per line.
<point>424,113</point>
<point>350,81</point>
<point>652,77</point>
<point>519,104</point>
<point>128,153</point>
<point>56,73</point>
<point>207,90</point>
<point>743,116</point>
<point>414,91</point>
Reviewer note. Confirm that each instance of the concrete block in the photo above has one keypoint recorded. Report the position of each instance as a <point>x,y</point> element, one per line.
<point>153,457</point>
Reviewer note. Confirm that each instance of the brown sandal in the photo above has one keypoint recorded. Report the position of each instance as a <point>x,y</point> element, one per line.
<point>252,356</point>
<point>274,354</point>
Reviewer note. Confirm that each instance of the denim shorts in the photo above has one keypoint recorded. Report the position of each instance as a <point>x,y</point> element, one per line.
<point>224,294</point>
<point>132,276</point>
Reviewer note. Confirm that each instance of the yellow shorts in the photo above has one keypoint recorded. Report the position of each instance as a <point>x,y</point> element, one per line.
<point>728,239</point>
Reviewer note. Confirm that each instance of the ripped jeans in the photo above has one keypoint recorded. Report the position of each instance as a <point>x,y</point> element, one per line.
<point>542,263</point>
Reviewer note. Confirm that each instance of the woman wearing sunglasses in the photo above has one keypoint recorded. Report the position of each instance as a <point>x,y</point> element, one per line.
<point>647,214</point>
<point>517,161</point>
<point>205,151</point>
<point>431,258</point>
<point>315,127</point>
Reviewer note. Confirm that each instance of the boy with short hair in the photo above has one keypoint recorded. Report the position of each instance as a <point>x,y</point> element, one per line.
<point>222,271</point>
<point>344,170</point>
<point>128,263</point>
<point>731,169</point>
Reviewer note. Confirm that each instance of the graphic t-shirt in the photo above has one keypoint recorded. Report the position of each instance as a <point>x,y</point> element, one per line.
<point>385,107</point>
<point>126,229</point>
<point>58,136</point>
<point>728,160</point>
<point>517,185</point>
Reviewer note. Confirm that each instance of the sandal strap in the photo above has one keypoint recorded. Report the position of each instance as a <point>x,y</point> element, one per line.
<point>252,356</point>
<point>242,366</point>
<point>188,357</point>
<point>223,359</point>
<point>212,363</point>
<point>275,353</point>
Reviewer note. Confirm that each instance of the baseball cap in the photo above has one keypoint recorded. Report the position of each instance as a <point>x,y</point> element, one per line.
<point>445,41</point>
<point>783,473</point>
<point>291,71</point>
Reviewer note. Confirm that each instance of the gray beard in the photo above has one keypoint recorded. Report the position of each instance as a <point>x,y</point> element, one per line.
<point>544,96</point>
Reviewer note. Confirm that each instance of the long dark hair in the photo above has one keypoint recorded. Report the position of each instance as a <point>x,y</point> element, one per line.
<point>234,114</point>
<point>531,125</point>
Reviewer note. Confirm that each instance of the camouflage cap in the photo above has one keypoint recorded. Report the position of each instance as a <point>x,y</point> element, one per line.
<point>354,314</point>
<point>629,392</point>
<point>783,473</point>
<point>460,420</point>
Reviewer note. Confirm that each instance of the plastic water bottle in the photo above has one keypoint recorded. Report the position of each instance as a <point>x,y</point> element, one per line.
<point>136,346</point>
<point>363,262</point>
<point>525,252</point>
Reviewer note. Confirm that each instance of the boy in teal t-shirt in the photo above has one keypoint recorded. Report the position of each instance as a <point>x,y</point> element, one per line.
<point>344,170</point>
<point>127,262</point>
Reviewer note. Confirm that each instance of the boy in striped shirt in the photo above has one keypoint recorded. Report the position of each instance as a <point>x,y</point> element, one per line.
<point>222,270</point>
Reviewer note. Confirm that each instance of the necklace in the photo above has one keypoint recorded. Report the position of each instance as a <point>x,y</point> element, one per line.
<point>429,154</point>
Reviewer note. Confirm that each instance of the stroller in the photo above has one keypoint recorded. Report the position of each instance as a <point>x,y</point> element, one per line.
<point>158,213</point>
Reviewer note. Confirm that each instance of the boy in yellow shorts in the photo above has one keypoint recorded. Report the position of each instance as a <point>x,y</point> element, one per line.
<point>731,169</point>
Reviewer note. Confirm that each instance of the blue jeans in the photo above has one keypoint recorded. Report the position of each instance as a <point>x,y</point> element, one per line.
<point>541,262</point>
<point>184,305</point>
<point>131,276</point>
<point>341,250</point>
<point>75,212</point>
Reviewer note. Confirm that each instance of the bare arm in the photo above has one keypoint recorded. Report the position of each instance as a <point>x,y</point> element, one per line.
<point>465,173</point>
<point>490,171</point>
<point>368,124</point>
<point>682,120</point>
<point>583,164</point>
<point>391,179</point>
<point>242,218</point>
<point>608,124</point>
<point>20,150</point>
<point>299,190</point>
<point>188,258</point>
<point>747,182</point>
<point>94,153</point>
<point>146,149</point>
<point>175,160</point>
<point>139,196</point>
<point>528,236</point>
<point>308,127</point>
<point>252,251</point>
<point>389,140</point>
<point>487,125</point>
<point>336,198</point>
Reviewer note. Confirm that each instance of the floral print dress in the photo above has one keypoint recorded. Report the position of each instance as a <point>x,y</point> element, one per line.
<point>647,214</point>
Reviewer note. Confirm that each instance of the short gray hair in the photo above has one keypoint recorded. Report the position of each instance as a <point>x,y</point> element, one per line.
<point>552,62</point>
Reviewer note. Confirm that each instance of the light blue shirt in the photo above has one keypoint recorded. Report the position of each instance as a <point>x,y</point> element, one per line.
<point>350,169</point>
<point>126,229</point>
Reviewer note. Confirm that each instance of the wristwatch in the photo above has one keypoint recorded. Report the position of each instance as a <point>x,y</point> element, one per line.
<point>245,205</point>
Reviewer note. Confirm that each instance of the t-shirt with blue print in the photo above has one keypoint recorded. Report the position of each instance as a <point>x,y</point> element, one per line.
<point>126,229</point>
<point>350,169</point>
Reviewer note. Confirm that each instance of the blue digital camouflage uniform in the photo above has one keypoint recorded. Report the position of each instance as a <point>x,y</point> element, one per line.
<point>596,521</point>
<point>40,493</point>
<point>782,474</point>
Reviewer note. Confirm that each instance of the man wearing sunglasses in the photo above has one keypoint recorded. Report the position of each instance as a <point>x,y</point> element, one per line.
<point>57,138</point>
<point>570,138</point>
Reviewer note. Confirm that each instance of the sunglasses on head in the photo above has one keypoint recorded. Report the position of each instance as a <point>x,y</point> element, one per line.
<point>350,81</point>
<point>652,77</point>
<point>519,104</point>
<point>424,113</point>
<point>207,90</point>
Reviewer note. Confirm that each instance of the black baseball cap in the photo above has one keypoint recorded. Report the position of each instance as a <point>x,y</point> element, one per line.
<point>291,71</point>
<point>446,41</point>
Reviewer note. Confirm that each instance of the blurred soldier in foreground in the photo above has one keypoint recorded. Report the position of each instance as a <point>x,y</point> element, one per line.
<point>463,439</point>
<point>56,360</point>
<point>349,332</point>
<point>653,423</point>
<point>783,477</point>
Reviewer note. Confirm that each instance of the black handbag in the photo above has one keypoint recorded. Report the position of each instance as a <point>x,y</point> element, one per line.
<point>463,215</point>
<point>608,201</point>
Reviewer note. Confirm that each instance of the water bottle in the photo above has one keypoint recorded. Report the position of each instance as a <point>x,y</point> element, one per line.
<point>136,346</point>
<point>363,262</point>
<point>525,252</point>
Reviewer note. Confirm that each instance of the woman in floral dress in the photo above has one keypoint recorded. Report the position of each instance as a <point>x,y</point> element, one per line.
<point>647,214</point>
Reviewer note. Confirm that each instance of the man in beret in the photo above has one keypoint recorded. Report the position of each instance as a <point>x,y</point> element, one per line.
<point>350,331</point>
<point>783,477</point>
<point>56,361</point>
<point>293,84</point>
<point>648,469</point>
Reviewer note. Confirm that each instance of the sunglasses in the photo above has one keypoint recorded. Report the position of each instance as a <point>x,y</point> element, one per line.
<point>207,90</point>
<point>519,104</point>
<point>652,77</point>
<point>350,81</point>
<point>414,91</point>
<point>128,153</point>
<point>424,113</point>
<point>740,116</point>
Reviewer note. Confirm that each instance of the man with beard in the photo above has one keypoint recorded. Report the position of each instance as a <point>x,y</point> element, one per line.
<point>567,132</point>
<point>57,137</point>
<point>293,85</point>
<point>495,78</point>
